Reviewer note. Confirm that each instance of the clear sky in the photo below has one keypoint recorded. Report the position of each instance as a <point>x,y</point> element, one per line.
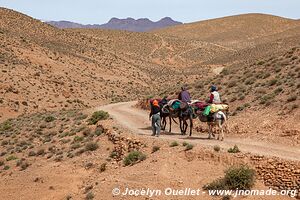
<point>100,11</point>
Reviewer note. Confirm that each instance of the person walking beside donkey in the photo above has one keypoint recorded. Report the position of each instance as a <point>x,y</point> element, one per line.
<point>155,115</point>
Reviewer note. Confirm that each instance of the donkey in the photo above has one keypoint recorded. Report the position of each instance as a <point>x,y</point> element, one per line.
<point>186,115</point>
<point>167,113</point>
<point>218,120</point>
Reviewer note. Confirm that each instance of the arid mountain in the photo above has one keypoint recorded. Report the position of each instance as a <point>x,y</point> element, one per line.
<point>128,24</point>
<point>67,24</point>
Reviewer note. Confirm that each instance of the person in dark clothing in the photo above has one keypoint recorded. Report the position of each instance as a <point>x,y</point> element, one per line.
<point>185,98</point>
<point>184,95</point>
<point>155,115</point>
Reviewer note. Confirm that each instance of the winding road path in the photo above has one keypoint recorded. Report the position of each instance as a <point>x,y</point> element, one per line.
<point>137,121</point>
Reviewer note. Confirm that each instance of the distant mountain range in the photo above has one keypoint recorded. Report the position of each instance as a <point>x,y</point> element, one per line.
<point>129,24</point>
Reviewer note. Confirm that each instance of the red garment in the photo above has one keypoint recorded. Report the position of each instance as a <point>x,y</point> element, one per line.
<point>211,98</point>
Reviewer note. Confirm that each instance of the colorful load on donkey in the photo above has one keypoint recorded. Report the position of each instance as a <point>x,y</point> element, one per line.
<point>213,108</point>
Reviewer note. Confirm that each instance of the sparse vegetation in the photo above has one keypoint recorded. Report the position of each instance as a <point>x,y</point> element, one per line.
<point>235,149</point>
<point>133,158</point>
<point>91,146</point>
<point>155,148</point>
<point>49,118</point>
<point>89,196</point>
<point>189,147</point>
<point>103,167</point>
<point>217,148</point>
<point>97,116</point>
<point>236,177</point>
<point>174,144</point>
<point>291,98</point>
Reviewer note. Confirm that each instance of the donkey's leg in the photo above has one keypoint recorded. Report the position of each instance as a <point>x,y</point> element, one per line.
<point>185,126</point>
<point>221,129</point>
<point>170,120</point>
<point>191,126</point>
<point>181,125</point>
<point>209,131</point>
<point>163,123</point>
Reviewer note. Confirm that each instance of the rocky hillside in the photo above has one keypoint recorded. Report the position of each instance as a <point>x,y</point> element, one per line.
<point>43,67</point>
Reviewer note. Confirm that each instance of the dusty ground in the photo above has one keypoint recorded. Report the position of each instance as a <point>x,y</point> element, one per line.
<point>137,121</point>
<point>80,176</point>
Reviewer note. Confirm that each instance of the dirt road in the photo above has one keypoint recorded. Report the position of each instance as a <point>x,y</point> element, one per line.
<point>137,122</point>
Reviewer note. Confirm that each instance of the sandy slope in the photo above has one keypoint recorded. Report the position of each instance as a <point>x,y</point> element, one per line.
<point>137,122</point>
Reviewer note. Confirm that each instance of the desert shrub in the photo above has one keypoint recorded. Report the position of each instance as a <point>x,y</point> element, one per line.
<point>260,62</point>
<point>264,99</point>
<point>246,105</point>
<point>49,118</point>
<point>6,167</point>
<point>97,116</point>
<point>6,126</point>
<point>240,108</point>
<point>232,84</point>
<point>91,146</point>
<point>184,143</point>
<point>4,142</point>
<point>266,75</point>
<point>78,138</point>
<point>98,131</point>
<point>24,165</point>
<point>133,158</point>
<point>1,162</point>
<point>233,99</point>
<point>250,81</point>
<point>155,148</point>
<point>278,90</point>
<point>236,177</point>
<point>40,152</point>
<point>291,98</point>
<point>217,148</point>
<point>86,132</point>
<point>235,149</point>
<point>11,157</point>
<point>81,116</point>
<point>89,196</point>
<point>31,153</point>
<point>103,167</point>
<point>241,177</point>
<point>272,82</point>
<point>189,147</point>
<point>113,154</point>
<point>294,106</point>
<point>174,144</point>
<point>225,71</point>
<point>75,146</point>
<point>242,97</point>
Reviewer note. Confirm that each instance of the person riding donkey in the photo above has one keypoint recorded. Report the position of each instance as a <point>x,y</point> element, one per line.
<point>185,97</point>
<point>155,118</point>
<point>215,97</point>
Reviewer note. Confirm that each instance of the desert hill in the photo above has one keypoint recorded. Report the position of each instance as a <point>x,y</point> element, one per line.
<point>228,31</point>
<point>43,67</point>
<point>46,68</point>
<point>128,24</point>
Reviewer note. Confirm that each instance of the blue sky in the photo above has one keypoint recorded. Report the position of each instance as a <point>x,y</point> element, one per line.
<point>99,11</point>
